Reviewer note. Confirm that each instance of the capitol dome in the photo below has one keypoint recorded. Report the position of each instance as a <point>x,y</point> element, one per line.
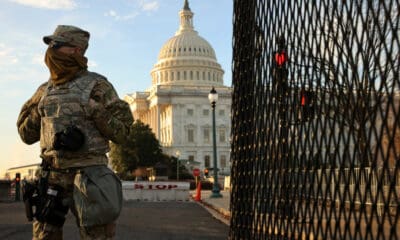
<point>187,58</point>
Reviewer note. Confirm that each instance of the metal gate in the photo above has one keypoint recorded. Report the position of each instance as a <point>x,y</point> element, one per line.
<point>316,120</point>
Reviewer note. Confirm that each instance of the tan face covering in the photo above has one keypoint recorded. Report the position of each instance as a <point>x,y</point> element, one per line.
<point>64,67</point>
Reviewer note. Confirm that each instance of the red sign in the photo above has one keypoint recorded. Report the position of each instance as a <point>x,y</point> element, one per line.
<point>196,172</point>
<point>154,186</point>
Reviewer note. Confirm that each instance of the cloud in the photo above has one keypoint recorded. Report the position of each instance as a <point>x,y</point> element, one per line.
<point>111,13</point>
<point>150,6</point>
<point>7,56</point>
<point>18,67</point>
<point>92,63</point>
<point>48,4</point>
<point>24,75</point>
<point>117,17</point>
<point>142,6</point>
<point>38,59</point>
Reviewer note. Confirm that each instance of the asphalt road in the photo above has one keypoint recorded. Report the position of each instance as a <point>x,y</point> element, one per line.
<point>138,220</point>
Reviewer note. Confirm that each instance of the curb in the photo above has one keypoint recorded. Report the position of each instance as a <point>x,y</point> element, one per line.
<point>218,213</point>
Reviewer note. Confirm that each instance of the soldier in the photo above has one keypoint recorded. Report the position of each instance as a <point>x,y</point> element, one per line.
<point>74,115</point>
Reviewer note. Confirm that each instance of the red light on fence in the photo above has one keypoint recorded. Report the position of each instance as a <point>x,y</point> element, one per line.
<point>307,105</point>
<point>303,100</point>
<point>280,58</point>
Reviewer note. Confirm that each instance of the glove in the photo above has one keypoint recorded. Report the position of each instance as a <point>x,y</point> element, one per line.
<point>71,139</point>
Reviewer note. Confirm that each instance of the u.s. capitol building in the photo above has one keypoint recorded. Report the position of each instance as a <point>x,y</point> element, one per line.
<point>176,106</point>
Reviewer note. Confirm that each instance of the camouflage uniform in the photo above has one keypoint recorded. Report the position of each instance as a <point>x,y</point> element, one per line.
<point>89,102</point>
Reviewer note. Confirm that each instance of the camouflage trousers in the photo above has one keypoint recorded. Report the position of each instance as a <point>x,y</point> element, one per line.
<point>50,232</point>
<point>46,231</point>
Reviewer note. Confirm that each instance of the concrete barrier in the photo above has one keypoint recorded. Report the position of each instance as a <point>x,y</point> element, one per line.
<point>6,192</point>
<point>155,191</point>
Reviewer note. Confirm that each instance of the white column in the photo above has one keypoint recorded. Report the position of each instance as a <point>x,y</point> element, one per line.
<point>158,122</point>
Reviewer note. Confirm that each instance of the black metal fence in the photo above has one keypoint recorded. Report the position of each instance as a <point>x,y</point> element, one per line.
<point>316,120</point>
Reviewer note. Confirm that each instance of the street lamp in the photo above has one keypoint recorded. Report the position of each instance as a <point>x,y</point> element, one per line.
<point>177,154</point>
<point>213,97</point>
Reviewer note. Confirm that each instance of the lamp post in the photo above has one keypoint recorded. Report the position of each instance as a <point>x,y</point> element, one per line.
<point>213,97</point>
<point>177,154</point>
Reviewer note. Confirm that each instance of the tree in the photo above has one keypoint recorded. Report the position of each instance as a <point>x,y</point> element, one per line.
<point>123,157</point>
<point>141,149</point>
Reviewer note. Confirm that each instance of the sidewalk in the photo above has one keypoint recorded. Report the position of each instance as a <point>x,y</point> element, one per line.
<point>220,206</point>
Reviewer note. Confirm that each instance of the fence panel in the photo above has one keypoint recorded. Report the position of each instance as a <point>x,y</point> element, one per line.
<point>316,120</point>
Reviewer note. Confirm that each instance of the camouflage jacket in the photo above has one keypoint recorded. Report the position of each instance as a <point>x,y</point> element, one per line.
<point>110,115</point>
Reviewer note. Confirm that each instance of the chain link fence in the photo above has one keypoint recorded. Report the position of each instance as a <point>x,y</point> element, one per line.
<point>316,120</point>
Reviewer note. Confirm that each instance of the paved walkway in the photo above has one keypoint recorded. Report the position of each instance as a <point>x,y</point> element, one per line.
<point>139,220</point>
<point>219,207</point>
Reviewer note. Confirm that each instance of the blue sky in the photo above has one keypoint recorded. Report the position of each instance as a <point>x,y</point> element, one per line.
<point>126,36</point>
